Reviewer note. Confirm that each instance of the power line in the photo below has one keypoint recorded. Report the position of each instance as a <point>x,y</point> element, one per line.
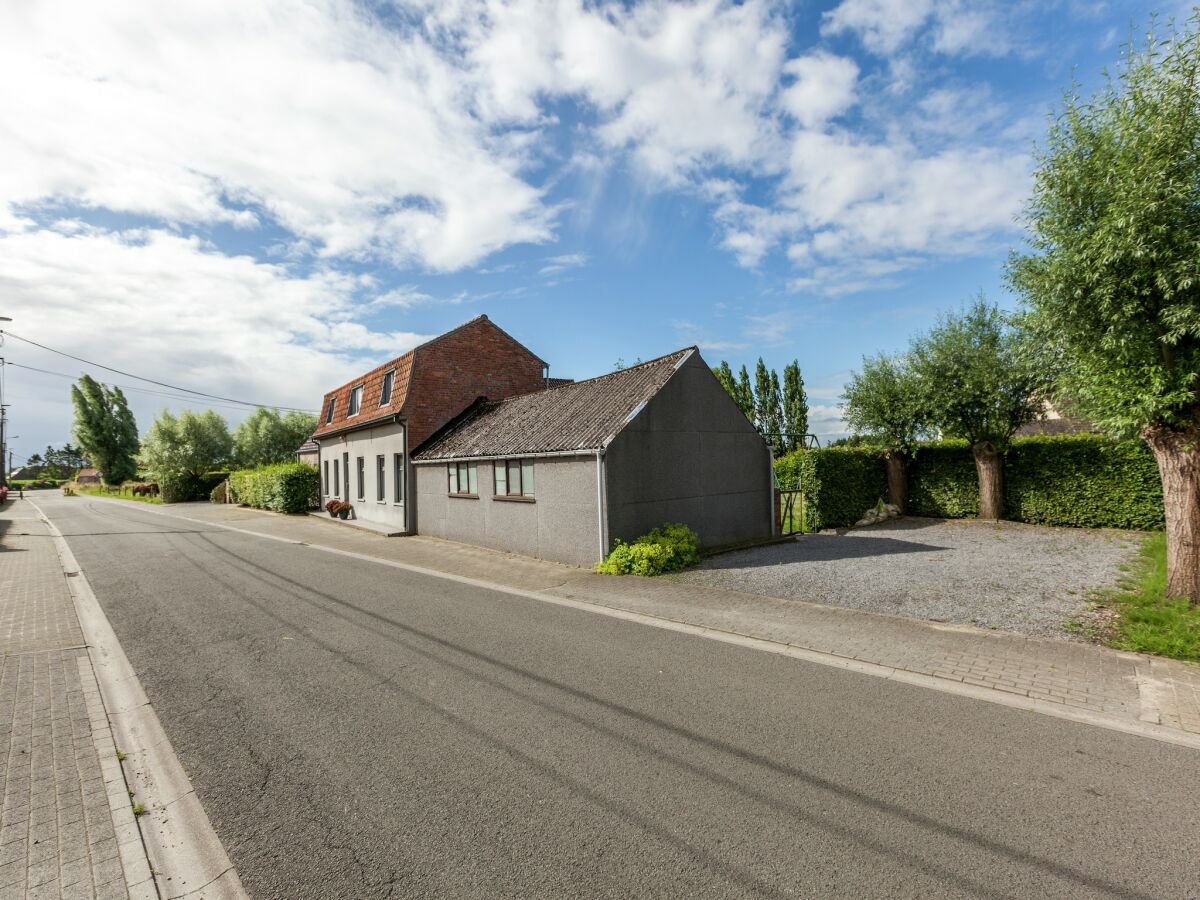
<point>124,387</point>
<point>152,381</point>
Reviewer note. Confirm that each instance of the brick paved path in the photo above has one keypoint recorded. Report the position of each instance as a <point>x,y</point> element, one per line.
<point>67,827</point>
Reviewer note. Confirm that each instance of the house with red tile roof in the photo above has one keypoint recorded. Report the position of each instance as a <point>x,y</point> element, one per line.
<point>467,437</point>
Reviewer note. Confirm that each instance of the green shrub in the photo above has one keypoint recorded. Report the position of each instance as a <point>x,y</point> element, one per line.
<point>184,488</point>
<point>838,484</point>
<point>665,549</point>
<point>942,482</point>
<point>283,487</point>
<point>1085,481</point>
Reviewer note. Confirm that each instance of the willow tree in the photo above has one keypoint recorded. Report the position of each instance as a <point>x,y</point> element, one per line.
<point>105,429</point>
<point>1112,271</point>
<point>977,383</point>
<point>885,400</point>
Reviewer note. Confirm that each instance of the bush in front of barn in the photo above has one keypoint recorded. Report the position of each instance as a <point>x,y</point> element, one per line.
<point>667,548</point>
<point>283,487</point>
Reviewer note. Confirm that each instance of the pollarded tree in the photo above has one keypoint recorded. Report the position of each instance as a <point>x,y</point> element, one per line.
<point>886,401</point>
<point>977,383</point>
<point>105,429</point>
<point>190,444</point>
<point>1112,274</point>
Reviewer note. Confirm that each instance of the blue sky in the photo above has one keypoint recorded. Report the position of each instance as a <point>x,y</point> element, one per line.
<point>263,200</point>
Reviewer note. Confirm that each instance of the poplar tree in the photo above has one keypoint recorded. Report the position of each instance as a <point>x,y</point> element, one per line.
<point>105,429</point>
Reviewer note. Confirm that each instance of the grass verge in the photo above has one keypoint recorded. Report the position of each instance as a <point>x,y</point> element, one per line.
<point>1149,621</point>
<point>115,492</point>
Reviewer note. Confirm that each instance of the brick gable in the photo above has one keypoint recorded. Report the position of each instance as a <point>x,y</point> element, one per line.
<point>439,379</point>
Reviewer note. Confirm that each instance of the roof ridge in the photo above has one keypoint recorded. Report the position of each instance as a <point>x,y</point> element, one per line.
<point>617,373</point>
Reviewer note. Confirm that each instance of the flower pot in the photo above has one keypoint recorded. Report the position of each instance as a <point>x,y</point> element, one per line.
<point>343,514</point>
<point>332,514</point>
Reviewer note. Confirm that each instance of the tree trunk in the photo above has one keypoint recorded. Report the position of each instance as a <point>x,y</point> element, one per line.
<point>897,478</point>
<point>1178,456</point>
<point>989,466</point>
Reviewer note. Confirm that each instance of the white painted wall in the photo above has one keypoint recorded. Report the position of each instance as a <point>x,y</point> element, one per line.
<point>369,443</point>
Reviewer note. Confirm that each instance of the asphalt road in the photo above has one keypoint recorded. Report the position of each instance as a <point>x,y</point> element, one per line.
<point>354,730</point>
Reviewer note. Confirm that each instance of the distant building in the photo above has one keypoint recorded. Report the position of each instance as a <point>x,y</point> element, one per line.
<point>309,452</point>
<point>88,476</point>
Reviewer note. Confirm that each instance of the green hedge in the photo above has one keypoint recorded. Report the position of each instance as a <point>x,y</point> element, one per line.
<point>838,484</point>
<point>183,488</point>
<point>942,482</point>
<point>1085,481</point>
<point>283,487</point>
<point>1082,481</point>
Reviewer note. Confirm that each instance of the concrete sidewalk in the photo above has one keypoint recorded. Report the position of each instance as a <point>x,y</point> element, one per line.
<point>67,828</point>
<point>1127,691</point>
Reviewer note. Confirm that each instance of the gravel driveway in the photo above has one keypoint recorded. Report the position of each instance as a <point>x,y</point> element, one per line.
<point>1021,578</point>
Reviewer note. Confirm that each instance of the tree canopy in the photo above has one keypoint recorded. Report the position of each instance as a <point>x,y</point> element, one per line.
<point>105,429</point>
<point>1112,270</point>
<point>976,381</point>
<point>189,444</point>
<point>886,401</point>
<point>265,437</point>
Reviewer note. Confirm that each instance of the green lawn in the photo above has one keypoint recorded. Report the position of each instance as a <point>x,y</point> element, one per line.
<point>1149,621</point>
<point>101,491</point>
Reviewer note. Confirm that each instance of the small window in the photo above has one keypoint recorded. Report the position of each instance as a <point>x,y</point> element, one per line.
<point>346,472</point>
<point>385,396</point>
<point>337,481</point>
<point>332,407</point>
<point>325,479</point>
<point>355,401</point>
<point>398,477</point>
<point>464,478</point>
<point>514,478</point>
<point>380,476</point>
<point>362,478</point>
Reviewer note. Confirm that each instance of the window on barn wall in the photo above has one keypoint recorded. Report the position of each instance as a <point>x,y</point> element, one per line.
<point>385,396</point>
<point>514,477</point>
<point>355,401</point>
<point>463,478</point>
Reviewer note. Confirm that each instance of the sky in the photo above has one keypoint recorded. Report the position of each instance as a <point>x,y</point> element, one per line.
<point>262,200</point>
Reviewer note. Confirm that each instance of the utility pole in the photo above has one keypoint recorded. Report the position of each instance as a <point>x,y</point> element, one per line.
<point>3,410</point>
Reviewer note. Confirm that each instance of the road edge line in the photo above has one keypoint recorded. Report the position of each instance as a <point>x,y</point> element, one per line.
<point>1153,731</point>
<point>183,848</point>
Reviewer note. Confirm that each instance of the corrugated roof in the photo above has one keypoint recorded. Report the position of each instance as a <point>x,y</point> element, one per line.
<point>579,416</point>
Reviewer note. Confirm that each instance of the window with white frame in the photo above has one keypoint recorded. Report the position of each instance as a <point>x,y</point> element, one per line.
<point>362,478</point>
<point>385,396</point>
<point>380,478</point>
<point>337,480</point>
<point>355,401</point>
<point>325,479</point>
<point>514,477</point>
<point>464,479</point>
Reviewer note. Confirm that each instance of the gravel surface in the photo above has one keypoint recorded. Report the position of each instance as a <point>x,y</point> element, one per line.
<point>1021,578</point>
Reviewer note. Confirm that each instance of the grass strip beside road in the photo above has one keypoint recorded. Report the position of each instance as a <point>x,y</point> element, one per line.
<point>1148,620</point>
<point>116,494</point>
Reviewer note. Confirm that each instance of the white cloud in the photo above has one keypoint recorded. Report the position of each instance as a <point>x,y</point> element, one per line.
<point>824,87</point>
<point>882,25</point>
<point>155,303</point>
<point>556,265</point>
<point>350,135</point>
<point>956,27</point>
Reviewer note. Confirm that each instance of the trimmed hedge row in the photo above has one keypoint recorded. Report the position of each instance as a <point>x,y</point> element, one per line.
<point>1083,481</point>
<point>183,488</point>
<point>838,483</point>
<point>283,487</point>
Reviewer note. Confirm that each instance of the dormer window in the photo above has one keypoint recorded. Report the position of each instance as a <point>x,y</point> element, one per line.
<point>355,401</point>
<point>332,407</point>
<point>385,396</point>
